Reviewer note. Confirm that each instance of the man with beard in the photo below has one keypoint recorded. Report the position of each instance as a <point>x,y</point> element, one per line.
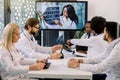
<point>29,47</point>
<point>96,45</point>
<point>109,62</point>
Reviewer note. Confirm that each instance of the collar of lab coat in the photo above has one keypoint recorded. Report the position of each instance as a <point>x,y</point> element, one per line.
<point>115,41</point>
<point>66,19</point>
<point>29,36</point>
<point>101,35</point>
<point>112,44</point>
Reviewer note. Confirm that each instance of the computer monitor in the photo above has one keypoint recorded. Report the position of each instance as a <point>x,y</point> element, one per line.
<point>61,15</point>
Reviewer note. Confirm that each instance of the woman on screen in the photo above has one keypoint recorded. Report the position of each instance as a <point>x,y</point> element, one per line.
<point>68,18</point>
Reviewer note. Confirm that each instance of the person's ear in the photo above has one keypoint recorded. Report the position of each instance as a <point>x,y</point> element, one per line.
<point>29,27</point>
<point>105,30</point>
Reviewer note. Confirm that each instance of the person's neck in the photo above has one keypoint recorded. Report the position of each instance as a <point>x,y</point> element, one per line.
<point>28,31</point>
<point>110,40</point>
<point>66,18</point>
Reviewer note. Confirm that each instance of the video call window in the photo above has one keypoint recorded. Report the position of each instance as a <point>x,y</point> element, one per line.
<point>61,15</point>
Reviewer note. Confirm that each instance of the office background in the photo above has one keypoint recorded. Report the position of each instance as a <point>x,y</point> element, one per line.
<point>17,11</point>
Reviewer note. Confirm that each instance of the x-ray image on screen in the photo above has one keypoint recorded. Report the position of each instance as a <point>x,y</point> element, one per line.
<point>51,14</point>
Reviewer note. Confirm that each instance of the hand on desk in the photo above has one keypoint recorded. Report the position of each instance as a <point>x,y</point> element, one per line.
<point>41,61</point>
<point>55,56</point>
<point>56,47</point>
<point>40,64</point>
<point>37,66</point>
<point>68,46</point>
<point>73,63</point>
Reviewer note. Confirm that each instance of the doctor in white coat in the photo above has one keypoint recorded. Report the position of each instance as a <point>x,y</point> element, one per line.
<point>109,61</point>
<point>13,66</point>
<point>96,44</point>
<point>29,47</point>
<point>88,31</point>
<point>68,18</point>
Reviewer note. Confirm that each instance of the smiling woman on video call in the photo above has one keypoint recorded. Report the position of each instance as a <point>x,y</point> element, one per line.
<point>68,18</point>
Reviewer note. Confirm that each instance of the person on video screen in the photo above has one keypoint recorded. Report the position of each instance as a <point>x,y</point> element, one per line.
<point>68,18</point>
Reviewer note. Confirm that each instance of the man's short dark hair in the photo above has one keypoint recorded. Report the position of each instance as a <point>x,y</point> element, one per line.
<point>111,28</point>
<point>31,22</point>
<point>98,24</point>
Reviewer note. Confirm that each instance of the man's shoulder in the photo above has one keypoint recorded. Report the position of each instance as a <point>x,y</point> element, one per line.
<point>22,40</point>
<point>22,36</point>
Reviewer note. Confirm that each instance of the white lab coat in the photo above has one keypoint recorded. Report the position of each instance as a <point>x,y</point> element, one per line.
<point>14,67</point>
<point>110,62</point>
<point>67,23</point>
<point>96,45</point>
<point>85,36</point>
<point>30,48</point>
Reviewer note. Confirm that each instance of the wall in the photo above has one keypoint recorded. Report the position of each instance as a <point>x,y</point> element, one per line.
<point>110,9</point>
<point>118,11</point>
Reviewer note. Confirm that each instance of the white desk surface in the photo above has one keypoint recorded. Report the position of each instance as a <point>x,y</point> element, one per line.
<point>70,54</point>
<point>59,69</point>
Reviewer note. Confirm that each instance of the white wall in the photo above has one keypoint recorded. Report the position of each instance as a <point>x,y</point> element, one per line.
<point>110,9</point>
<point>118,15</point>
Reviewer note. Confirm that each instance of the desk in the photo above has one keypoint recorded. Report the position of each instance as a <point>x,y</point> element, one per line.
<point>59,69</point>
<point>67,54</point>
<point>70,54</point>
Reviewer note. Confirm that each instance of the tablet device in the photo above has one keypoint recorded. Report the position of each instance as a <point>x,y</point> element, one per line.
<point>47,65</point>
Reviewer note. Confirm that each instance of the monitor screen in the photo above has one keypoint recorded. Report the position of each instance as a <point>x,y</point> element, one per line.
<point>61,15</point>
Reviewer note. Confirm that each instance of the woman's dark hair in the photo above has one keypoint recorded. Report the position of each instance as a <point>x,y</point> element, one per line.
<point>111,28</point>
<point>71,13</point>
<point>31,22</point>
<point>98,24</point>
<point>88,22</point>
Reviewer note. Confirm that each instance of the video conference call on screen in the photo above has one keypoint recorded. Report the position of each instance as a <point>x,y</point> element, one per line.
<point>48,12</point>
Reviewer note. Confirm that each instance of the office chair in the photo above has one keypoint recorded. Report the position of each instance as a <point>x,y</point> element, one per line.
<point>99,76</point>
